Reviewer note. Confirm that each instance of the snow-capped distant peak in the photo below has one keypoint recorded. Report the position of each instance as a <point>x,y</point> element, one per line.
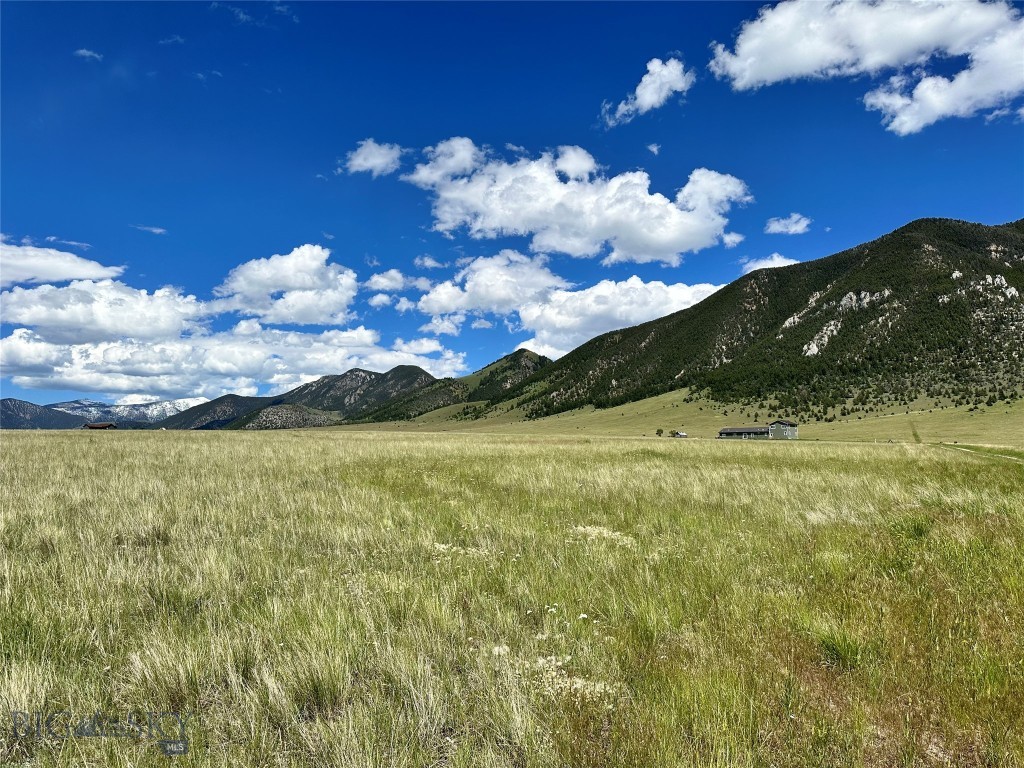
<point>144,412</point>
<point>81,403</point>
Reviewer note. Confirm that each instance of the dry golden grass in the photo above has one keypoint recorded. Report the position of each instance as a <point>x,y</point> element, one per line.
<point>353,599</point>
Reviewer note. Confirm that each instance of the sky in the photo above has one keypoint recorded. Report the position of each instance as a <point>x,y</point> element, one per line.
<point>203,198</point>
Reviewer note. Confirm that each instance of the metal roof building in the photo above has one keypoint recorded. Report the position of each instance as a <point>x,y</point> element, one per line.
<point>777,430</point>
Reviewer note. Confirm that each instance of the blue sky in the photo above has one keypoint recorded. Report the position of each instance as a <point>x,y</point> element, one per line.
<point>240,197</point>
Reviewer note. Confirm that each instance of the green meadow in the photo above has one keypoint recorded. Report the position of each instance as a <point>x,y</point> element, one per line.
<point>920,422</point>
<point>342,597</point>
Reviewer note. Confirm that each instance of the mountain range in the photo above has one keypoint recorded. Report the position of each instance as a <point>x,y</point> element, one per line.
<point>348,396</point>
<point>357,395</point>
<point>146,413</point>
<point>933,310</point>
<point>70,414</point>
<point>20,414</point>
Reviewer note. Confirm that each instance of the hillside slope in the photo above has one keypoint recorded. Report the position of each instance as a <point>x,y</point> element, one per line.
<point>357,392</point>
<point>217,413</point>
<point>490,382</point>
<point>933,309</point>
<point>285,416</point>
<point>20,414</point>
<point>347,395</point>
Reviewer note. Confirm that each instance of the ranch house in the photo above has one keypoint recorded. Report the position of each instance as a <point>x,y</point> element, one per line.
<point>777,430</point>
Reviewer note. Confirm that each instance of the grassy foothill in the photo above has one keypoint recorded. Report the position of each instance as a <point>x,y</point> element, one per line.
<point>336,597</point>
<point>921,422</point>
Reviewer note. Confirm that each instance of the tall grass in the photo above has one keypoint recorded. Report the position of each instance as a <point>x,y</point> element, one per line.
<point>354,599</point>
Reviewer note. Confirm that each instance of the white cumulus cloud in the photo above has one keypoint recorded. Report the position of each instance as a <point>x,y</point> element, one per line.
<point>445,324</point>
<point>498,284</point>
<point>32,264</point>
<point>426,261</point>
<point>85,53</point>
<point>564,319</point>
<point>454,157</point>
<point>418,346</point>
<point>299,288</point>
<point>377,159</point>
<point>794,224</point>
<point>569,207</point>
<point>663,79</point>
<point>394,280</point>
<point>531,297</point>
<point>95,310</point>
<point>575,162</point>
<point>210,365</point>
<point>101,335</point>
<point>842,38</point>
<point>768,262</point>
